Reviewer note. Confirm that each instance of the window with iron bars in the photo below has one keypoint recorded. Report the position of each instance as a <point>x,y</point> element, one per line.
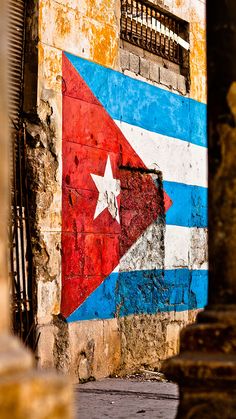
<point>154,30</point>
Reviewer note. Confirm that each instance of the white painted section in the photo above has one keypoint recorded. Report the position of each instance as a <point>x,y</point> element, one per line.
<point>184,247</point>
<point>147,252</point>
<point>178,160</point>
<point>177,247</point>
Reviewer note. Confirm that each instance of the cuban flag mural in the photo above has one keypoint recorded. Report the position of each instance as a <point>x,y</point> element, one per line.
<point>134,197</point>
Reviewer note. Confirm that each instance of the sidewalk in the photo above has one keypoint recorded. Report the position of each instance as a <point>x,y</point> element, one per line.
<point>126,398</point>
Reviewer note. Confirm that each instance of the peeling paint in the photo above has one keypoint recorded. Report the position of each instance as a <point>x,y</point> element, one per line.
<point>92,34</point>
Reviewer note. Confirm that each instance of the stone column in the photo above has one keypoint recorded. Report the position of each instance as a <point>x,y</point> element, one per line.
<point>206,367</point>
<point>24,392</point>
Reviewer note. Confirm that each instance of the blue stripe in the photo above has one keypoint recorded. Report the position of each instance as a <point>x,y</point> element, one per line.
<point>189,208</point>
<point>141,104</point>
<point>145,292</point>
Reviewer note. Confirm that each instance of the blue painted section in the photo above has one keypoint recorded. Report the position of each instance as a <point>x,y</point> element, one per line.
<point>146,292</point>
<point>199,288</point>
<point>141,104</point>
<point>189,208</point>
<point>100,304</point>
<point>198,122</point>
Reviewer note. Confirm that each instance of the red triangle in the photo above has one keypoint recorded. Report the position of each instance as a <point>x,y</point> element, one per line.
<point>91,248</point>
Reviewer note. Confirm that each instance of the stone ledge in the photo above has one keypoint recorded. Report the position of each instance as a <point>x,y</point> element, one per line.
<point>206,337</point>
<point>198,366</point>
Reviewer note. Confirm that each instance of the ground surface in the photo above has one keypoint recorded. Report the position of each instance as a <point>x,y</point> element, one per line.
<point>126,398</point>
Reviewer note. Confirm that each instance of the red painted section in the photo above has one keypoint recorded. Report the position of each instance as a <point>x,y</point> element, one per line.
<point>141,203</point>
<point>91,248</point>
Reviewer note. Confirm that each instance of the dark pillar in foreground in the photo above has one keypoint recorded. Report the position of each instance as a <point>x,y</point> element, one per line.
<point>206,367</point>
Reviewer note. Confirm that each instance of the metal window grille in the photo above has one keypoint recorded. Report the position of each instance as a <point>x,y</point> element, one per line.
<point>154,30</point>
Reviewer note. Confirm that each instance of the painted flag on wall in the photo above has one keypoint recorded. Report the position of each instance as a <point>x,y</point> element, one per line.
<point>109,196</point>
<point>119,136</point>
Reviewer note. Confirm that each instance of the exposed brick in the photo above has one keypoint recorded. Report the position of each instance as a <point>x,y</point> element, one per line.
<point>144,68</point>
<point>181,84</point>
<point>171,66</point>
<point>168,78</point>
<point>154,72</point>
<point>134,63</point>
<point>153,58</point>
<point>124,59</point>
<point>134,49</point>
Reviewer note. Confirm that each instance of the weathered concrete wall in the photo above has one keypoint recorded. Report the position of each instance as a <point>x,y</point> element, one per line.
<point>125,261</point>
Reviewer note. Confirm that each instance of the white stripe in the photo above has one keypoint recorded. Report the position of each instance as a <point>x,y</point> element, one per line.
<point>178,160</point>
<point>183,248</point>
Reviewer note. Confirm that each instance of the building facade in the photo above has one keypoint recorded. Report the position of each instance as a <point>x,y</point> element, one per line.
<point>115,117</point>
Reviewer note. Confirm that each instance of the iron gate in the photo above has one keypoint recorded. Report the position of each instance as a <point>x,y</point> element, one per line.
<point>20,245</point>
<point>20,255</point>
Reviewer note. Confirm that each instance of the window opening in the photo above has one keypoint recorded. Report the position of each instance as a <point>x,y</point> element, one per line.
<point>154,30</point>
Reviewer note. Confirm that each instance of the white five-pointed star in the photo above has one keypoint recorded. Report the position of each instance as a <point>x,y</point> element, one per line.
<point>108,188</point>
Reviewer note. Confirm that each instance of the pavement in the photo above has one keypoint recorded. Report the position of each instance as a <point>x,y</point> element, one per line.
<point>133,397</point>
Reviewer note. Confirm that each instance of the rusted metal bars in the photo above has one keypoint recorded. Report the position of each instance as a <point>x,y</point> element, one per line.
<point>152,29</point>
<point>20,249</point>
<point>20,260</point>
